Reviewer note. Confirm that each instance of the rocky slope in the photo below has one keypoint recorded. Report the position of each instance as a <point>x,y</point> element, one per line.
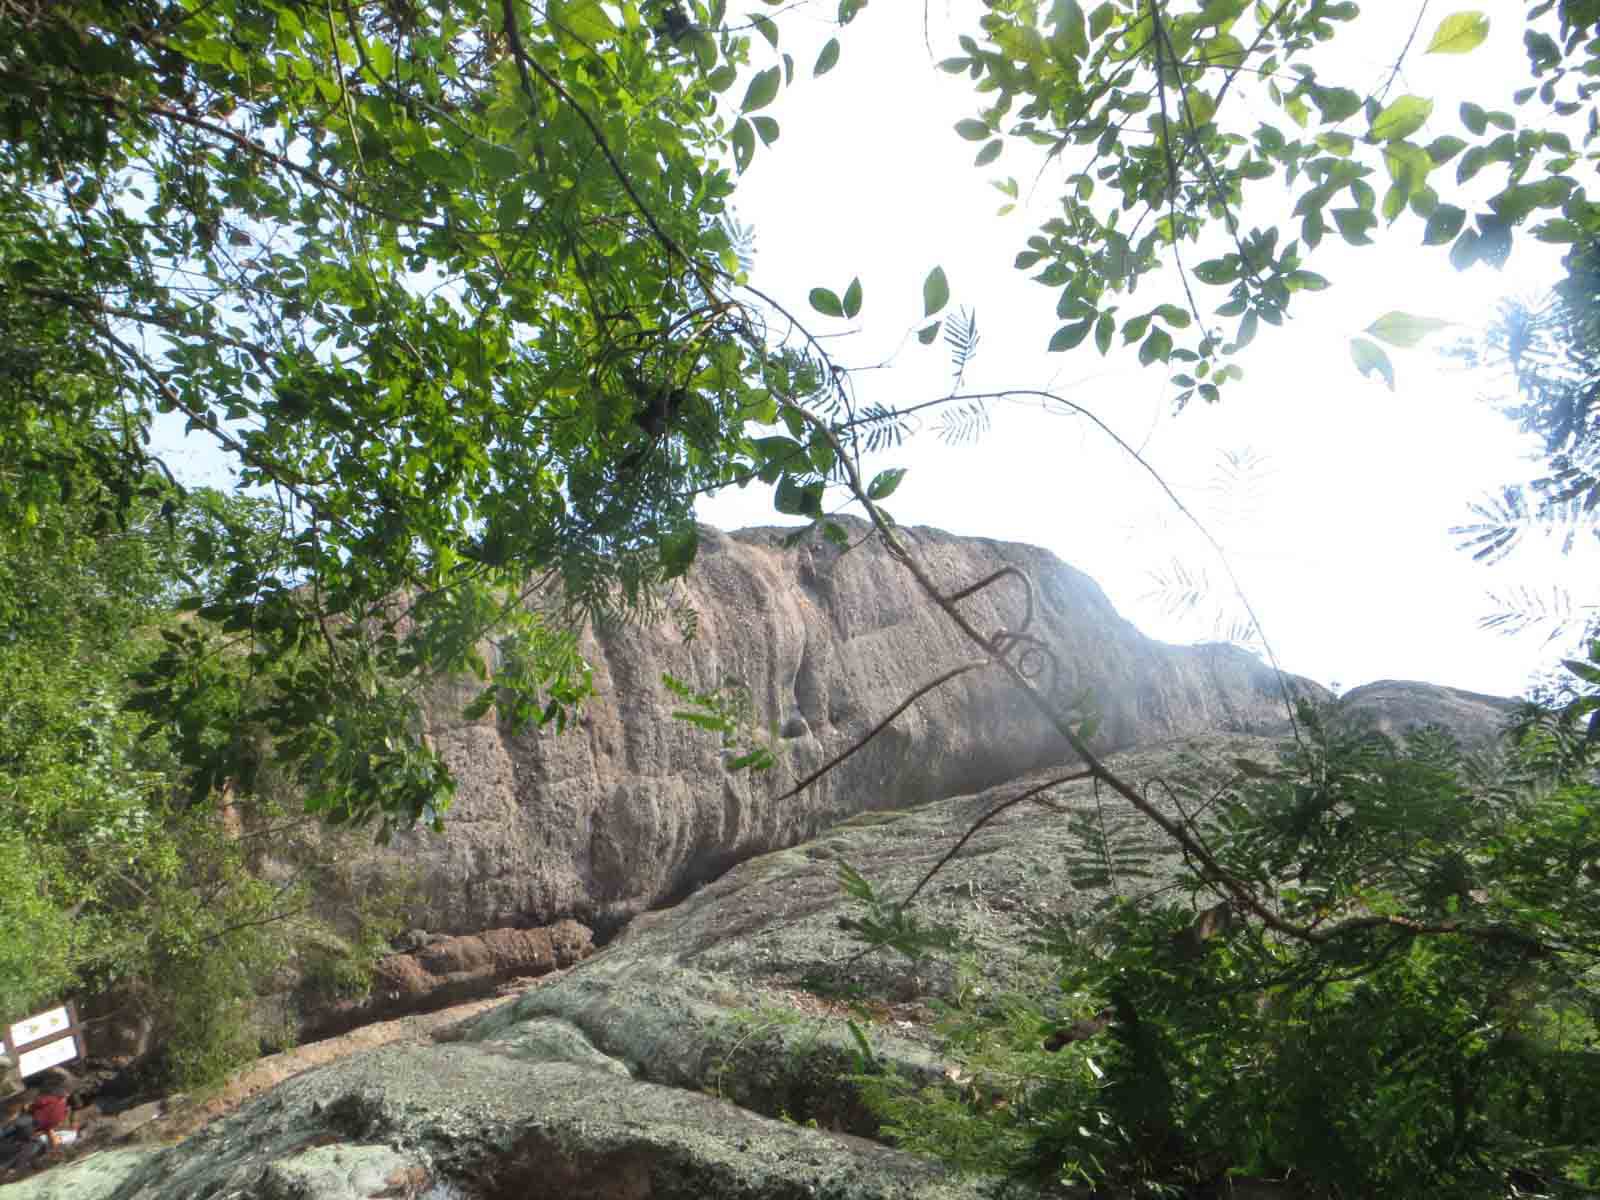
<point>689,1057</point>
<point>633,809</point>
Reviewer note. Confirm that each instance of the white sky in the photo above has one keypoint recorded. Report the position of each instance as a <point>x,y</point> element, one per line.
<point>1345,552</point>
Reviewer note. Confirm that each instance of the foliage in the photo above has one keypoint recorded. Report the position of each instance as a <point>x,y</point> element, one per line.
<point>450,284</point>
<point>1154,110</point>
<point>119,875</point>
<point>1434,1032</point>
<point>1549,351</point>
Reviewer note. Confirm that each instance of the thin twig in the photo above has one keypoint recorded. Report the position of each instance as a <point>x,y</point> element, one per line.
<point>922,691</point>
<point>994,812</point>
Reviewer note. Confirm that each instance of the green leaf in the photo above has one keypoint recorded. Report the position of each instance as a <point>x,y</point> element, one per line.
<point>1474,118</point>
<point>852,298</point>
<point>585,19</point>
<point>1404,330</point>
<point>1587,672</point>
<point>775,455</point>
<point>767,128</point>
<point>827,60</point>
<point>1443,225</point>
<point>767,27</point>
<point>1401,119</point>
<point>927,333</point>
<point>794,500</point>
<point>1306,281</point>
<point>744,143</point>
<point>884,483</point>
<point>1370,357</point>
<point>973,131</point>
<point>762,91</point>
<point>826,302</point>
<point>1103,329</point>
<point>1157,347</point>
<point>1558,230</point>
<point>989,153</point>
<point>1466,250</point>
<point>1353,224</point>
<point>1069,336</point>
<point>1458,33</point>
<point>678,551</point>
<point>1442,149</point>
<point>935,292</point>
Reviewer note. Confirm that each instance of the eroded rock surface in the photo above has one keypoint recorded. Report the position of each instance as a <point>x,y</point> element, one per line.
<point>633,809</point>
<point>1397,706</point>
<point>746,988</point>
<point>652,1070</point>
<point>448,970</point>
<point>486,1122</point>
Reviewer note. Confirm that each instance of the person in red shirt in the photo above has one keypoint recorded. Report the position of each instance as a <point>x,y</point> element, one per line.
<point>39,1127</point>
<point>49,1111</point>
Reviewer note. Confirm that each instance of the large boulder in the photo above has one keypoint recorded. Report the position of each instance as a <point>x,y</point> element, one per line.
<point>446,970</point>
<point>748,987</point>
<point>1397,707</point>
<point>705,1053</point>
<point>633,809</point>
<point>497,1121</point>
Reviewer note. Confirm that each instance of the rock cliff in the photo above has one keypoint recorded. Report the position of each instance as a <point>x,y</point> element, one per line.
<point>633,809</point>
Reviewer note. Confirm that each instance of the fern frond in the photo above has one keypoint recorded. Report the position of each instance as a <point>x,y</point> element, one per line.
<point>881,428</point>
<point>1180,590</point>
<point>742,238</point>
<point>961,335</point>
<point>963,424</point>
<point>1502,522</point>
<point>1523,608</point>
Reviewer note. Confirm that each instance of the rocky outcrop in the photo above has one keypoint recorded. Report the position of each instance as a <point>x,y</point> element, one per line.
<point>655,1068</point>
<point>1394,707</point>
<point>485,1122</point>
<point>448,970</point>
<point>632,809</point>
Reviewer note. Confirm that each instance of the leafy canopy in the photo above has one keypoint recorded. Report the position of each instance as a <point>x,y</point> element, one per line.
<point>451,283</point>
<point>1152,109</point>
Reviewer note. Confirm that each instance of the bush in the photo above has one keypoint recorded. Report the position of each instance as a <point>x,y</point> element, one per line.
<point>1423,1020</point>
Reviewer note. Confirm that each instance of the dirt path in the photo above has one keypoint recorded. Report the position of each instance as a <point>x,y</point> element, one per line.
<point>176,1119</point>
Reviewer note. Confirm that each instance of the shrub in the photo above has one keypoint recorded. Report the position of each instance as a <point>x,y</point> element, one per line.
<point>1421,1021</point>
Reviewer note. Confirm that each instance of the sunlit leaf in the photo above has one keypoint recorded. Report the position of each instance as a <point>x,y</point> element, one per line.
<point>1404,330</point>
<point>1401,119</point>
<point>884,483</point>
<point>1370,357</point>
<point>1459,33</point>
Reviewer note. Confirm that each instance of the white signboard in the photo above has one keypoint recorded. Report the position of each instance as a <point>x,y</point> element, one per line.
<point>44,1040</point>
<point>51,1054</point>
<point>36,1029</point>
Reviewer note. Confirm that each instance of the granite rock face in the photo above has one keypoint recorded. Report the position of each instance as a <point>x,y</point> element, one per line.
<point>447,970</point>
<point>1395,707</point>
<point>632,809</point>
